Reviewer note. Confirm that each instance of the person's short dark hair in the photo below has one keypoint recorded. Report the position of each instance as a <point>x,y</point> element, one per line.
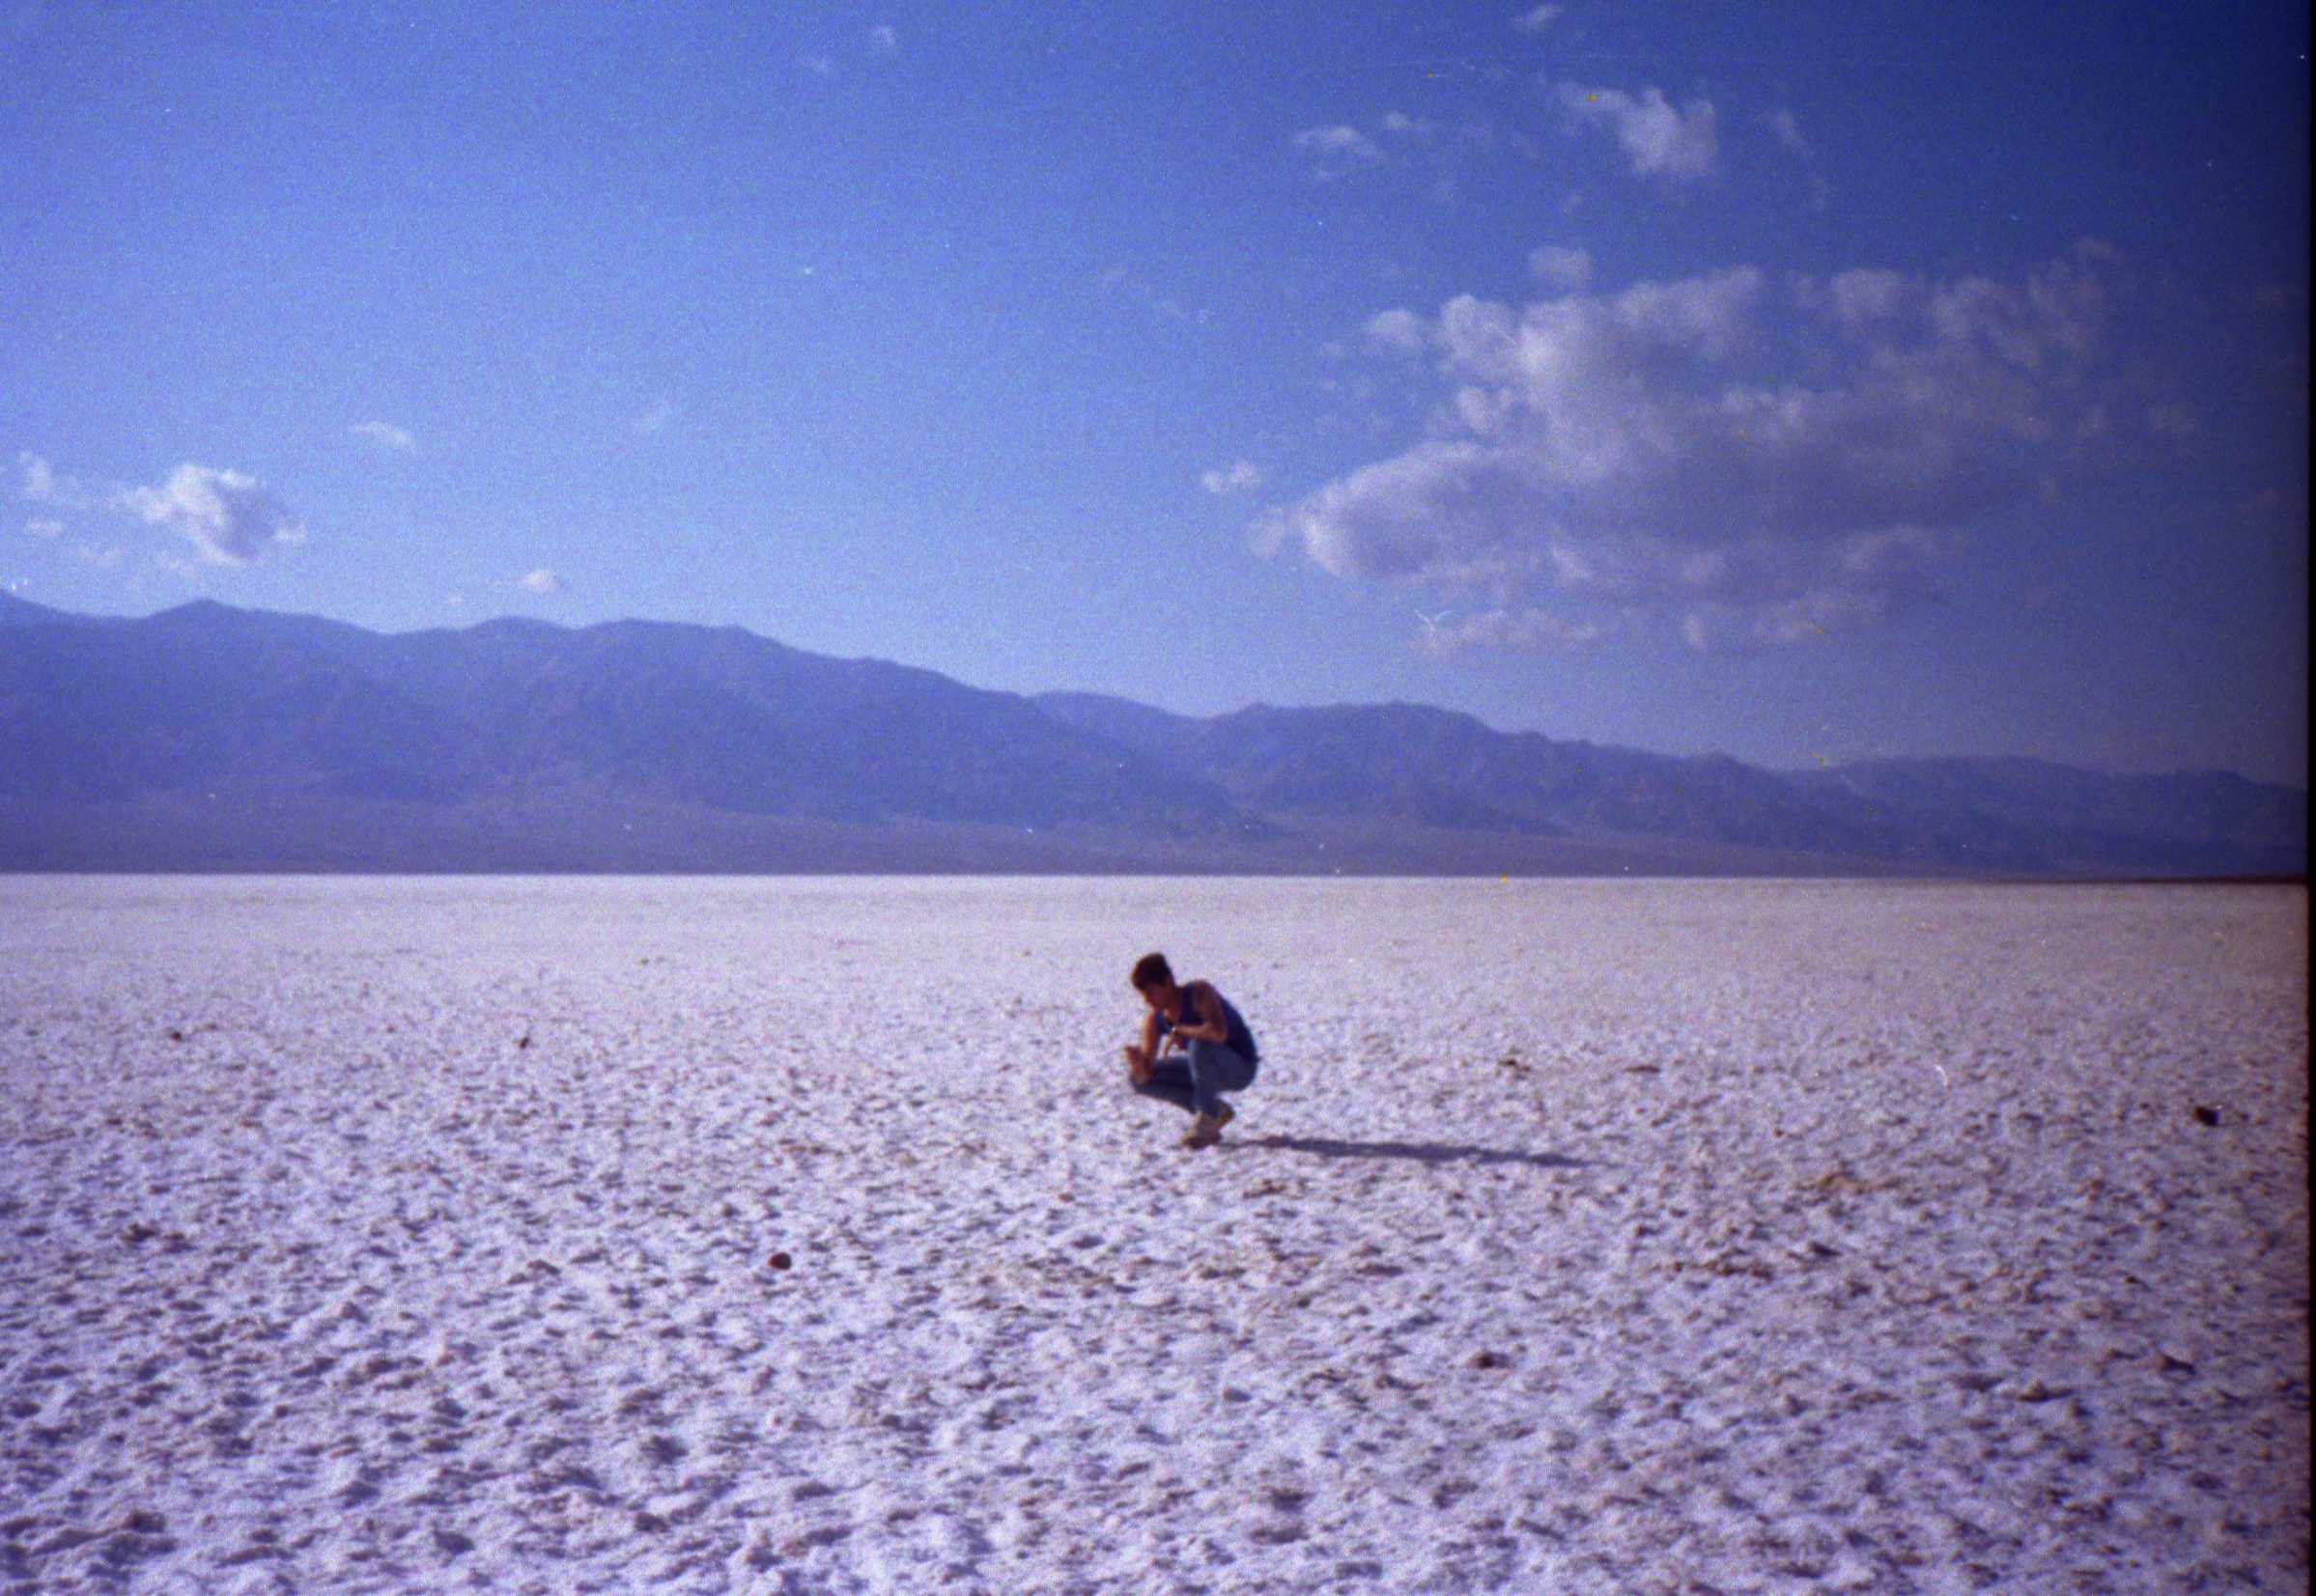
<point>1152,970</point>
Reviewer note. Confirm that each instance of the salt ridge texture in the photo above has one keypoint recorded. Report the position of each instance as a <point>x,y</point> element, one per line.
<point>390,1236</point>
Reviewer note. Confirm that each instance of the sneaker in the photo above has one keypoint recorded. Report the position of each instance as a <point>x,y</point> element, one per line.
<point>1205,1131</point>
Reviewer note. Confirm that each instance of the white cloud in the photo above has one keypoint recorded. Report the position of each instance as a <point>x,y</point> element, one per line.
<point>1400,125</point>
<point>1537,18</point>
<point>1639,454</point>
<point>1525,629</point>
<point>229,518</point>
<point>1331,148</point>
<point>1786,128</point>
<point>41,527</point>
<point>1239,476</point>
<point>103,556</point>
<point>541,581</point>
<point>656,417</point>
<point>1562,271</point>
<point>42,484</point>
<point>1401,331</point>
<point>819,65</point>
<point>885,39</point>
<point>1678,145</point>
<point>386,436</point>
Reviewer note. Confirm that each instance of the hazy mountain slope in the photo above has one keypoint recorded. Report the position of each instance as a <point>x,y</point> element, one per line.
<point>212,736</point>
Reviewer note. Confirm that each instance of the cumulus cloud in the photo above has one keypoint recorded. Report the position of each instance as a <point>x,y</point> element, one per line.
<point>1679,144</point>
<point>541,581</point>
<point>386,436</point>
<point>1239,476</point>
<point>1639,454</point>
<point>1399,330</point>
<point>230,518</point>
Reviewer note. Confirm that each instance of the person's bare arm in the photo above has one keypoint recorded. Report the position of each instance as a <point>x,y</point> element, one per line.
<point>1206,1004</point>
<point>1139,1059</point>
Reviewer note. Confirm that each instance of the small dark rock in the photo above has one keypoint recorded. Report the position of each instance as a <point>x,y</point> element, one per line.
<point>2207,1116</point>
<point>778,1260</point>
<point>1484,1359</point>
<point>521,1042</point>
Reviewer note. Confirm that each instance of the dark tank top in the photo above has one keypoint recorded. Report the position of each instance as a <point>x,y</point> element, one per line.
<point>1238,1037</point>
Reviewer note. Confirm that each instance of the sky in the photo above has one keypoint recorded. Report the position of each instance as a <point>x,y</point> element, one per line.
<point>1805,382</point>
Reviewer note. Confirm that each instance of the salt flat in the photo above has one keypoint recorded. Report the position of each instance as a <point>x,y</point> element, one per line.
<point>408,1235</point>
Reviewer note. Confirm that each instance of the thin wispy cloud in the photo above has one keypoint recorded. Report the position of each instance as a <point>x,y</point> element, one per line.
<point>386,436</point>
<point>43,483</point>
<point>1559,270</point>
<point>656,417</point>
<point>1786,128</point>
<point>885,39</point>
<point>41,528</point>
<point>1537,18</point>
<point>1672,143</point>
<point>541,581</point>
<point>1445,156</point>
<point>1136,290</point>
<point>1643,457</point>
<point>1242,476</point>
<point>1334,149</point>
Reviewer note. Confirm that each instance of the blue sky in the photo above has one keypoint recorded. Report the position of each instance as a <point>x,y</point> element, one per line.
<point>1802,383</point>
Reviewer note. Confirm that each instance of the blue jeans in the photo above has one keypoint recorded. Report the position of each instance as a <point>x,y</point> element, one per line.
<point>1193,1080</point>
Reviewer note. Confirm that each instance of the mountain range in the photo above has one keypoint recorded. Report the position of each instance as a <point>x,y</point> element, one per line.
<point>210,738</point>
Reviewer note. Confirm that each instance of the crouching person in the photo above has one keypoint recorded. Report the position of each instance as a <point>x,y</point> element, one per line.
<point>1193,1047</point>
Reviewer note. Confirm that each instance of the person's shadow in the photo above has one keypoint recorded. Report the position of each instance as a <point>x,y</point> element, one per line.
<point>1419,1152</point>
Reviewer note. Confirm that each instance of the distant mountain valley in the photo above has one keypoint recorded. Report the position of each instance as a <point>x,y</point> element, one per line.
<point>207,737</point>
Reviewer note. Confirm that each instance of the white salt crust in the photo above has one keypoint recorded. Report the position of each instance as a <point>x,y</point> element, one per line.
<point>1577,1236</point>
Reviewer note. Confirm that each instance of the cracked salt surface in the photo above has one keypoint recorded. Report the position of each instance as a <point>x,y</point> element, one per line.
<point>364,1234</point>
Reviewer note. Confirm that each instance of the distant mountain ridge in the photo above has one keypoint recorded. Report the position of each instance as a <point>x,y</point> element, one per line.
<point>206,737</point>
